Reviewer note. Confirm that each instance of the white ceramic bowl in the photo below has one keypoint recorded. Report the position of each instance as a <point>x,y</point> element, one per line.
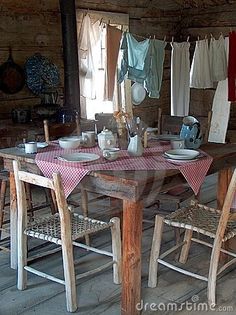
<point>72,142</point>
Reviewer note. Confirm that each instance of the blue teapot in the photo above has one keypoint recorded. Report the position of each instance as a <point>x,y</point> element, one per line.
<point>191,132</point>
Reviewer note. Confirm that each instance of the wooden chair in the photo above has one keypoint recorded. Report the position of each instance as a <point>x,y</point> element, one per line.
<point>183,192</point>
<point>54,131</point>
<point>215,224</point>
<point>4,178</point>
<point>4,207</point>
<point>63,228</point>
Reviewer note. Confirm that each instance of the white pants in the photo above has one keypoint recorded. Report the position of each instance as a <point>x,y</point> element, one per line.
<point>180,90</point>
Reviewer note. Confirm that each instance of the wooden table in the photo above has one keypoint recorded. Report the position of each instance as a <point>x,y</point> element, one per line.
<point>131,187</point>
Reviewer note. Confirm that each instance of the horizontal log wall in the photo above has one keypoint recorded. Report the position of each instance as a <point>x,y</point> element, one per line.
<point>29,27</point>
<point>35,28</point>
<point>201,22</point>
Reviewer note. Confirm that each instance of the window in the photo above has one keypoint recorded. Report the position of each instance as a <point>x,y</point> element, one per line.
<point>96,103</point>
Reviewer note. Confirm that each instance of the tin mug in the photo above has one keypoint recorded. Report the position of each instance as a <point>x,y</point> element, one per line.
<point>31,147</point>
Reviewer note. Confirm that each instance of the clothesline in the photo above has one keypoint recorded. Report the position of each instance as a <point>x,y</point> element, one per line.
<point>102,21</point>
<point>172,40</point>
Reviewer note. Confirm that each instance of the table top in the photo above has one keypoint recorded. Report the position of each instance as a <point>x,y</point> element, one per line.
<point>132,184</point>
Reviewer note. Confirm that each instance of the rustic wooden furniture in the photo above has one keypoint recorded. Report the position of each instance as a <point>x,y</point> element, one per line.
<point>4,179</point>
<point>131,188</point>
<point>63,228</point>
<point>215,224</point>
<point>54,131</point>
<point>183,192</point>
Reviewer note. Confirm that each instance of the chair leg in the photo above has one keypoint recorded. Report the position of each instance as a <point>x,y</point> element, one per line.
<point>50,199</point>
<point>116,250</point>
<point>69,271</point>
<point>155,251</point>
<point>22,247</point>
<point>2,203</point>
<point>29,200</point>
<point>84,206</point>
<point>185,249</point>
<point>53,201</point>
<point>215,256</point>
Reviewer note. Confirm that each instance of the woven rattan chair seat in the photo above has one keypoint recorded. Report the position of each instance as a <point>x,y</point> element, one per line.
<point>201,219</point>
<point>48,228</point>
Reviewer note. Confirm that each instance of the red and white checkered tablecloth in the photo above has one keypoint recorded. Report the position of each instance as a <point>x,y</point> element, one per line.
<point>152,159</point>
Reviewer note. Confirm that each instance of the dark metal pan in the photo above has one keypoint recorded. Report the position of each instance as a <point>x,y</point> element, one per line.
<point>12,76</point>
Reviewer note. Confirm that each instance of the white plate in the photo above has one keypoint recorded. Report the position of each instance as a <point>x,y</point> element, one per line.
<point>40,145</point>
<point>182,154</point>
<point>79,157</point>
<point>177,162</point>
<point>168,137</point>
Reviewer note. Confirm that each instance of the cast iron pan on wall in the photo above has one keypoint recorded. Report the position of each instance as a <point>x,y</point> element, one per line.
<point>12,76</point>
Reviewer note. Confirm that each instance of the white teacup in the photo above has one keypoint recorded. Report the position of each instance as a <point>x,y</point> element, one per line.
<point>89,138</point>
<point>111,154</point>
<point>31,147</point>
<point>177,144</point>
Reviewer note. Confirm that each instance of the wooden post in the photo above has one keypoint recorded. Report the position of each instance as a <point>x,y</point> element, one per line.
<point>131,268</point>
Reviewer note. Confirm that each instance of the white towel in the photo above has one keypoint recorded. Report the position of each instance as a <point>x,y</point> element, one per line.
<point>180,67</point>
<point>87,42</point>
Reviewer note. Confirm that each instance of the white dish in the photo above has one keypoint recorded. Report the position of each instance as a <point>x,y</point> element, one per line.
<point>78,157</point>
<point>71,142</point>
<point>40,145</point>
<point>177,162</point>
<point>168,137</point>
<point>138,93</point>
<point>182,154</point>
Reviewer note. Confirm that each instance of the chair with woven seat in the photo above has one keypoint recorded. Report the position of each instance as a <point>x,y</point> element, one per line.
<point>218,225</point>
<point>181,192</point>
<point>4,221</point>
<point>63,228</point>
<point>4,178</point>
<point>54,131</point>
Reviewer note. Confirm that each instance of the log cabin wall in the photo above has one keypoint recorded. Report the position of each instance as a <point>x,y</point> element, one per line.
<point>203,22</point>
<point>35,28</point>
<point>29,27</point>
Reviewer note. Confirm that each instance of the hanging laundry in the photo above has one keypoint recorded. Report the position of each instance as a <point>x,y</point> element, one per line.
<point>200,77</point>
<point>220,109</point>
<point>180,69</point>
<point>232,67</point>
<point>133,59</point>
<point>112,48</point>
<point>218,61</point>
<point>154,67</point>
<point>87,42</point>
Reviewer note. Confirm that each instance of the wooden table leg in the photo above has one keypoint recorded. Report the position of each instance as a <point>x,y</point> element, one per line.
<point>13,221</point>
<point>224,177</point>
<point>131,267</point>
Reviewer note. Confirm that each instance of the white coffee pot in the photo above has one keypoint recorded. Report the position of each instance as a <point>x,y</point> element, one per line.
<point>106,139</point>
